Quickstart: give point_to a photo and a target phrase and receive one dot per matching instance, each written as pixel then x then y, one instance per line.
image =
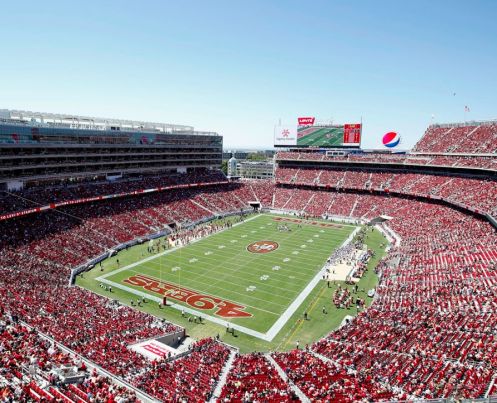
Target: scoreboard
pixel 352 134
pixel 308 133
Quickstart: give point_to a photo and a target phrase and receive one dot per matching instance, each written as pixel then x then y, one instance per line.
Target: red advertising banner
pixel 308 121
pixel 352 133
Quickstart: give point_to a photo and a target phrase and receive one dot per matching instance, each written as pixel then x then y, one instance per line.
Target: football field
pixel 253 275
pixel 325 137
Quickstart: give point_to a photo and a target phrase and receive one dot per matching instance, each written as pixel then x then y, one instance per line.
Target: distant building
pixel 248 154
pixel 239 155
pixel 255 169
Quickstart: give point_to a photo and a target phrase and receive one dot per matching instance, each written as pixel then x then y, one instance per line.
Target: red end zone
pixel 299 221
pixel 196 300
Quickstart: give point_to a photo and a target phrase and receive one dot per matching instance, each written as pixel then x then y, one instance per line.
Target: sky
pixel 238 67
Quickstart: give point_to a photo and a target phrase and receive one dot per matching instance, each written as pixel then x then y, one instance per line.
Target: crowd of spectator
pixel 477 193
pixel 469 139
pixel 37 253
pixel 430 332
pixel 43 195
pixel 187 379
pixel 326 381
pixel 31 368
pixel 252 378
pixel 370 159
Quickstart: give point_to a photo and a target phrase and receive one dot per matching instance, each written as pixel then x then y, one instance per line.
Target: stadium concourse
pixel 430 333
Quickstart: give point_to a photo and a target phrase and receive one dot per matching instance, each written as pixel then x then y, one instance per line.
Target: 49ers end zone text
pixel 196 300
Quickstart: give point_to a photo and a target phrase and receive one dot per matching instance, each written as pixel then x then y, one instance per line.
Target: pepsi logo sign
pixel 391 139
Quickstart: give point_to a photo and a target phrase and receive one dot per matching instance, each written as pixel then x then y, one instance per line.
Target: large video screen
pixel 329 136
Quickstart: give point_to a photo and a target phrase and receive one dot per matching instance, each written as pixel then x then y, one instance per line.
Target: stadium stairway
pixel 239 200
pixel 353 208
pixel 203 207
pixel 323 358
pixel 253 191
pixel 303 398
pixel 185 345
pixel 47 393
pixel 490 388
pixel 223 377
pixel 309 201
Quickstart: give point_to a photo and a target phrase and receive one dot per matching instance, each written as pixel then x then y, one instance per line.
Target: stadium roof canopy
pixel 87 122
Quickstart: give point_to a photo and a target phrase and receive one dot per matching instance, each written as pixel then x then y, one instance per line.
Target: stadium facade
pixel 49 147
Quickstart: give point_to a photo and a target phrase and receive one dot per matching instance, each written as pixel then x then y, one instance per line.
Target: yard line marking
pixel 237 277
pixel 231 291
pixel 304 259
pixel 252 266
pixel 158 255
pixel 251 259
pixel 277 325
pixel 255 270
pixel 198 291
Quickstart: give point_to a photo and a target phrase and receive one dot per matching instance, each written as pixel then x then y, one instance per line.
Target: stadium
pixel 248 202
pixel 132 268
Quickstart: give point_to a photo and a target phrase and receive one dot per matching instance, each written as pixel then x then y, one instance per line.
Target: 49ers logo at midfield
pixel 262 246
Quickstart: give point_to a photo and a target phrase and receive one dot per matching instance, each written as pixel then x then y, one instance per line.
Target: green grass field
pixel 219 273
pixel 325 137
